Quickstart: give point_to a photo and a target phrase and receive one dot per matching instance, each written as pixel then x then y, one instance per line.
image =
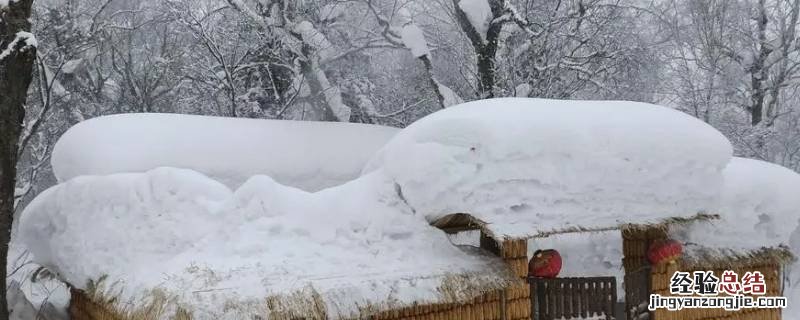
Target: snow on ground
pixel 179 231
pixel 531 166
pixel 307 155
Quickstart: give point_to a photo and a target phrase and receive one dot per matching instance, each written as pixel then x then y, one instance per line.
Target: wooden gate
pixel 637 294
pixel 565 298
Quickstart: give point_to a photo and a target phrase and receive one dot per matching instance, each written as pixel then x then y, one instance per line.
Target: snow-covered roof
pixel 303 154
pixel 759 208
pixel 523 167
pixel 532 167
pixel 208 247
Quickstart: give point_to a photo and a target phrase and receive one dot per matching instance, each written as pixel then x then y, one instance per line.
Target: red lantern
pixel 664 251
pixel 545 264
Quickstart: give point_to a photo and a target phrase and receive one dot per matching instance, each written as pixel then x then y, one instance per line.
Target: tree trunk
pixel 758 71
pixel 485 51
pixel 15 75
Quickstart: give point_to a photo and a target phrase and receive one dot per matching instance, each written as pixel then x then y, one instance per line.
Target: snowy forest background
pixel 732 63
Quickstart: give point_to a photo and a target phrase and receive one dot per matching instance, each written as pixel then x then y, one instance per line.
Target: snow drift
pixel 532 166
pixel 307 155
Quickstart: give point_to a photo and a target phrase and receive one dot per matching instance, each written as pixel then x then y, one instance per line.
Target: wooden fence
pixel 565 298
pixel 637 293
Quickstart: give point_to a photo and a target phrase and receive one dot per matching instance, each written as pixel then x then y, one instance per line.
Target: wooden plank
pixel 541 295
pixel 600 291
pixel 570 303
pixel 605 293
pixel 584 300
pixel 503 305
pixel 534 299
pixel 552 297
pixel 559 294
pixel 566 298
pixel 576 301
pixel 611 314
pixel 591 300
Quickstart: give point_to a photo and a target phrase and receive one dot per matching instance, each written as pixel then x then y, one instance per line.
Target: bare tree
pixel 481 21
pixel 17 55
pixel 412 37
pixel 283 21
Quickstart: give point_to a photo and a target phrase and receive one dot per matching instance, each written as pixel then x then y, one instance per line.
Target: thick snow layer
pixel 525 167
pixel 532 166
pixel 450 97
pixel 316 39
pixel 479 14
pixel 522 90
pixel 212 247
pixel 307 155
pixel 414 40
pixel 759 207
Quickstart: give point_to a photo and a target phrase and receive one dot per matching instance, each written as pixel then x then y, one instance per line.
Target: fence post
pixel 503 304
pixel 541 300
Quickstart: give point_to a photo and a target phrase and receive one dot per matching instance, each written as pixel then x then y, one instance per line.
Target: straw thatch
pixel 99 302
pixel 696 256
pixel 500 289
pixel 457 222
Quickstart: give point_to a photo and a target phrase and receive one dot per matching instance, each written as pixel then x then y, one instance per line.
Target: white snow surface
pixel 29 38
pixel 199 231
pixel 759 207
pixel 211 247
pixel 316 39
pixel 450 97
pixel 522 90
pixel 4 3
pixel 306 155
pixel 792 294
pixel 414 40
pixel 479 14
pixel 532 166
pixel 72 66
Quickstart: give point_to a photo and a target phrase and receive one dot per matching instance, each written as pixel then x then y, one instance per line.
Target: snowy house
pixel 759 211
pixel 207 241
